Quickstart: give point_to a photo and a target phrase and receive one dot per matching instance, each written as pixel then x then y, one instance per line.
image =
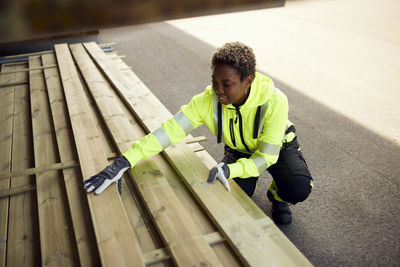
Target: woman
pixel 245 111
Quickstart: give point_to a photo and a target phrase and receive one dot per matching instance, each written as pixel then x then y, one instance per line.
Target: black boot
pixel 280 210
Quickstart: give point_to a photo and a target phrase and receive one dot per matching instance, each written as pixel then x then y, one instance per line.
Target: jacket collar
pixel 261 91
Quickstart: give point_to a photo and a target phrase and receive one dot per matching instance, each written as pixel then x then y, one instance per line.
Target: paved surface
pixel 339 64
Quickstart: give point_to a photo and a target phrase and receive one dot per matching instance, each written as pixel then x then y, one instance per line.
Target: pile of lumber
pixel 64 116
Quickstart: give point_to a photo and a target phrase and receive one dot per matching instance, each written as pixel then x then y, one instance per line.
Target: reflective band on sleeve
pixel 260 163
pixel 269 149
pixel 162 137
pixel 184 122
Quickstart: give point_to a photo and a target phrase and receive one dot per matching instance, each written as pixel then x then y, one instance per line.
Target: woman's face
pixel 228 87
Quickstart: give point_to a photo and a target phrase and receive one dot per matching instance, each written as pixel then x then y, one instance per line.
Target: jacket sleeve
pixel 269 141
pixel 170 132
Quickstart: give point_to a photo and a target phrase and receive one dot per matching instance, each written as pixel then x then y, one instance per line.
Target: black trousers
pixel 292 181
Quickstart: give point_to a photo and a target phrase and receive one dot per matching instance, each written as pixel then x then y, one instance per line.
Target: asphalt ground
pixel 339 64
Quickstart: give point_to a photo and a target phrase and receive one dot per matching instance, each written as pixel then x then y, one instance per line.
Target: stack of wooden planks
pixel 64 116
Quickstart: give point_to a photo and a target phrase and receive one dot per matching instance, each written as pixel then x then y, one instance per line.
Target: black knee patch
pixel 297 191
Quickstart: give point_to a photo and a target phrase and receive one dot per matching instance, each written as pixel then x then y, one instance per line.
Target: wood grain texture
pixel 178 230
pixel 23 236
pixel 6 122
pixel 145 234
pixel 57 248
pixel 115 239
pixel 17 190
pixel 83 230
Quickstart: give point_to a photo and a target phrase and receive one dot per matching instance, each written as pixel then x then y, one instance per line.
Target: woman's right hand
pixel 112 173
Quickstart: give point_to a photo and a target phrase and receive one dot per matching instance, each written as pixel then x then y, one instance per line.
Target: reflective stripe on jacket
pixel 257 127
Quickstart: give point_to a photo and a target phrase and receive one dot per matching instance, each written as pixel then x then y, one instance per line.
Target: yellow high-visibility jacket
pixel 257 127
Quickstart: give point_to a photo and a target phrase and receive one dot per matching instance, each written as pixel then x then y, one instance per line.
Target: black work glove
pixel 112 173
pixel 221 171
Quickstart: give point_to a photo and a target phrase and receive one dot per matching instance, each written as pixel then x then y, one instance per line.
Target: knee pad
pixel 298 191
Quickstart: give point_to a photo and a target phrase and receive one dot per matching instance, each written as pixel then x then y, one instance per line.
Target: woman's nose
pixel 219 89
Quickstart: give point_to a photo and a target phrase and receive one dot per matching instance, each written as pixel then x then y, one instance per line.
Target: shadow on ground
pixel 352 217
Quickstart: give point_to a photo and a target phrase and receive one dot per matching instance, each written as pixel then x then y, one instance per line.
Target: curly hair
pixel 237 55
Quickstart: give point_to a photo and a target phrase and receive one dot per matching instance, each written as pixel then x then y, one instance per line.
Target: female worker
pixel 245 111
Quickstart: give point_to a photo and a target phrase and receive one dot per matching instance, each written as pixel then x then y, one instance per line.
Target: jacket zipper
pixel 231 128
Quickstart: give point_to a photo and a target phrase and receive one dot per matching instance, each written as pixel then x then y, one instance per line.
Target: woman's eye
pixel 227 85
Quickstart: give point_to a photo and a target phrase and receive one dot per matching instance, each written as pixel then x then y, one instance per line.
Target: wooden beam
pixel 17 190
pixel 13 84
pixel 51 167
pixel 248 240
pixel 23 248
pixel 31 54
pixel 83 230
pixel 116 242
pixel 6 124
pixel 196 147
pixel 196 139
pixel 141 224
pixel 176 226
pixel 29 69
pixel 55 237
pixel 41 169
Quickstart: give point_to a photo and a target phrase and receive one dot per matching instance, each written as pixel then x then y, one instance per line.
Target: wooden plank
pixel 12 84
pixel 6 122
pixel 17 190
pixel 195 139
pixel 83 230
pixel 23 248
pixel 116 242
pixel 31 54
pixel 145 233
pixel 29 69
pixel 178 230
pixel 55 237
pixel 37 170
pixel 247 239
pixel 196 147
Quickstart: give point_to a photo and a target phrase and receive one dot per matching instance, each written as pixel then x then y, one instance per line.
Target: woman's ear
pixel 249 80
